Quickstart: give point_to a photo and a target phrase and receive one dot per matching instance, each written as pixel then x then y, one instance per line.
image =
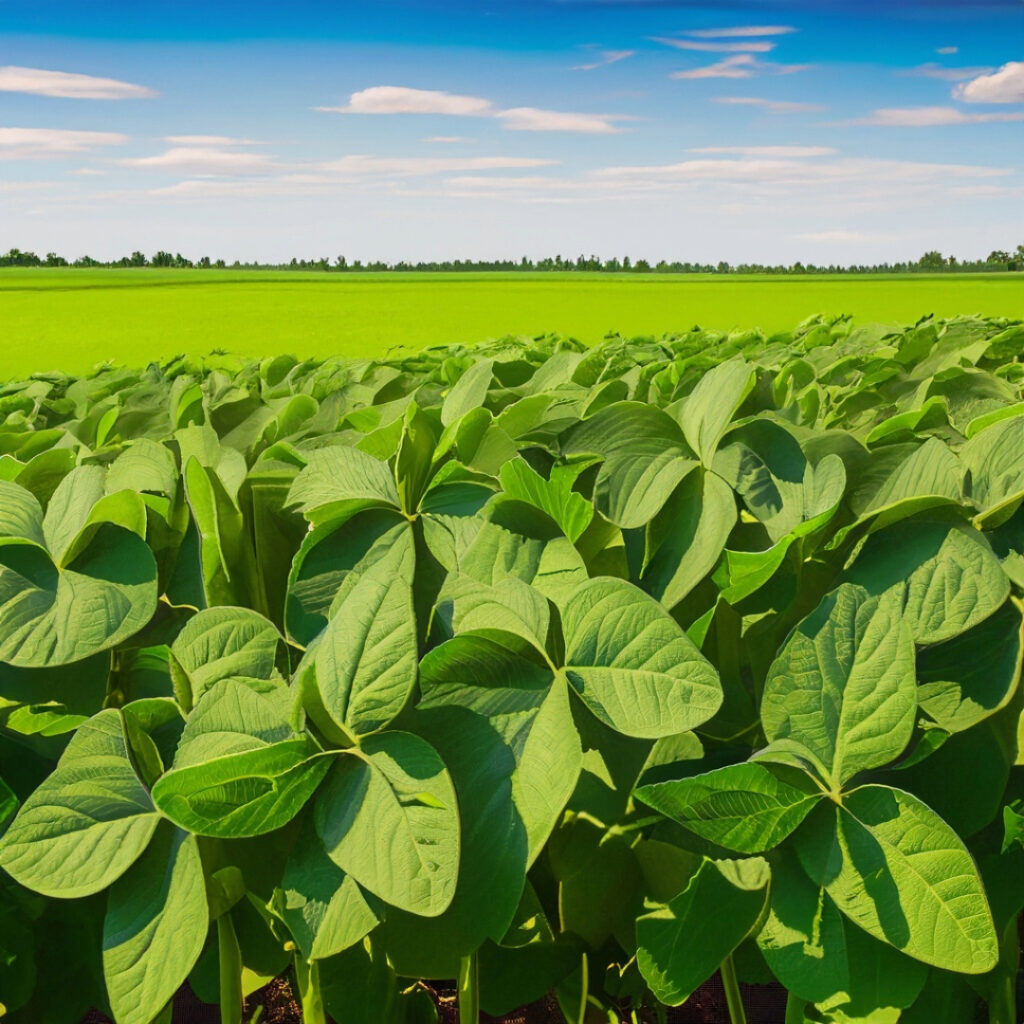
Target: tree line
pixel 930 262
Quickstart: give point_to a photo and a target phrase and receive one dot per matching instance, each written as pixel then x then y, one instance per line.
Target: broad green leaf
pixel 947 575
pixel 631 663
pixel 414 458
pixel 843 687
pixel 89 820
pixel 367 658
pixel 323 908
pixel 918 476
pixel 708 410
pixel 993 461
pixel 897 870
pixel 686 538
pixel 555 496
pixel 748 807
pixel 465 605
pixel 388 816
pixel 965 680
pixel 155 926
pixel 645 456
pixel 53 613
pixel 341 478
pixel 682 944
pixel 469 392
pixel 219 643
pixel 823 958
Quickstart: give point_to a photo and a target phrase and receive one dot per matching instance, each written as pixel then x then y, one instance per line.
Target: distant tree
pixel 723 267
pixel 53 260
pixel 204 262
pixel 626 263
pixel 642 267
pixel 932 260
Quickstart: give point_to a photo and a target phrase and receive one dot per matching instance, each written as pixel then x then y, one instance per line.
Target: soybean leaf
pixel 682 944
pixel 632 665
pixel 555 496
pixel 748 807
pixel 341 479
pixel 897 870
pixel 388 816
pixel 155 926
pixel 87 822
pixel 708 410
pixel 843 687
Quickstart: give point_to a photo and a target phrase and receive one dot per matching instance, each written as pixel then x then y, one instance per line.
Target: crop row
pixel 543 669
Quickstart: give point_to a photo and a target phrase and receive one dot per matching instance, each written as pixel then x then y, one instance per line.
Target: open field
pixel 72 319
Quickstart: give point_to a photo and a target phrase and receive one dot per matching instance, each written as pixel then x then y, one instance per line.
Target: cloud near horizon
pixel 50 143
pixel 930 117
pixel 770 106
pixel 65 85
pixel 743 65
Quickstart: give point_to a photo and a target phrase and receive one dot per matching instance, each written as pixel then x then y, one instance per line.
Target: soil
pixel 766 1004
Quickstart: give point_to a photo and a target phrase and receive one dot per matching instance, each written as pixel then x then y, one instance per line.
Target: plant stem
pixel 660 1014
pixel 307 974
pixel 795 1010
pixel 1002 1007
pixel 733 999
pixel 230 963
pixel 469 990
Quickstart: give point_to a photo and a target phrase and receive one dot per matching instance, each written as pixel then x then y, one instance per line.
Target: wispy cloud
pixel 48 143
pixel 395 99
pixel 390 99
pixel 444 139
pixel 838 235
pixel 1003 86
pixel 743 65
pixel 65 85
pixel 740 31
pixel 406 167
pixel 946 74
pixel 948 50
pixel 209 140
pixel 750 46
pixel 769 106
pixel 607 57
pixel 769 151
pixel 929 117
pixel 199 161
pixel 532 119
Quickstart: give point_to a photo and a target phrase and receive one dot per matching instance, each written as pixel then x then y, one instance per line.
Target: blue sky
pixel 740 130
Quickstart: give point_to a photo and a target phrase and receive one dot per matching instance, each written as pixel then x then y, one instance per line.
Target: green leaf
pixel 323 908
pixel 388 816
pixel 414 459
pixel 686 538
pixel 87 822
pixel 842 687
pixel 52 613
pixel 710 407
pixel 947 576
pixel 682 944
pixel 469 392
pixel 555 496
pixel 897 870
pixel 632 665
pixel 219 643
pixel 341 479
pixel 155 927
pixel 747 807
pixel 367 658
pixel 994 463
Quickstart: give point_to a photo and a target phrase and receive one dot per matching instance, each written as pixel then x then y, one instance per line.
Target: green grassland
pixel 73 318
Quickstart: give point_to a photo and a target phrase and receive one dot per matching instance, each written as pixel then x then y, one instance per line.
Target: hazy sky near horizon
pixel 744 130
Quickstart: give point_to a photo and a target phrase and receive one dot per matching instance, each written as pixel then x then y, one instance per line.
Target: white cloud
pixel 444 138
pixel 751 46
pixel 743 65
pixel 929 117
pixel 933 70
pixel 948 50
pixel 390 99
pixel 769 106
pixel 741 30
pixel 415 166
pixel 770 151
pixel 530 119
pixel 45 143
pixel 199 161
pixel 394 99
pixel 837 236
pixel 1003 86
pixel 208 140
pixel 87 172
pixel 607 57
pixel 68 86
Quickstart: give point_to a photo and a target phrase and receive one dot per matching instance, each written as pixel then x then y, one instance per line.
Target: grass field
pixel 72 319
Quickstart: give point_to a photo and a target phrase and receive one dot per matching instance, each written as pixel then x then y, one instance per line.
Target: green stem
pixel 733 999
pixel 230 962
pixel 661 1014
pixel 307 974
pixel 1002 1007
pixel 795 1010
pixel 469 990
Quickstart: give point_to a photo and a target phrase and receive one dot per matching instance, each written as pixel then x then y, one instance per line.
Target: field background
pixel 72 319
